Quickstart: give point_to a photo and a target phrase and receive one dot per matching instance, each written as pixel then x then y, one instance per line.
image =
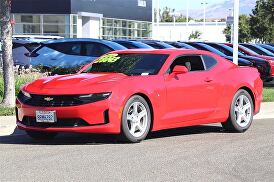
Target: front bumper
pixel 88 118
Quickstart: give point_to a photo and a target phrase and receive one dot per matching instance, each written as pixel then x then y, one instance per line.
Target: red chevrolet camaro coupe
pixel 134 92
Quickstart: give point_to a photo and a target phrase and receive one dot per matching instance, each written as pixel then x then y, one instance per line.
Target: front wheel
pixel 136 119
pixel 241 112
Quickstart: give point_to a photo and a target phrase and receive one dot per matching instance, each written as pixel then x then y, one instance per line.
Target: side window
pixel 223 50
pixel 155 46
pixel 192 63
pixel 71 48
pixel 255 49
pixel 95 49
pixel 128 45
pixel 209 61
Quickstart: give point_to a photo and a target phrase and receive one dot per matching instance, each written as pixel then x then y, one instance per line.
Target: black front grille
pixel 50 100
pixel 61 123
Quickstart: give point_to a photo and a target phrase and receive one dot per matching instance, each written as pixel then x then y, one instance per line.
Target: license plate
pixel 45 116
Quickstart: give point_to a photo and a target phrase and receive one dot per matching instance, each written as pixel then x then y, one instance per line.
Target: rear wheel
pixel 241 112
pixel 39 135
pixel 136 119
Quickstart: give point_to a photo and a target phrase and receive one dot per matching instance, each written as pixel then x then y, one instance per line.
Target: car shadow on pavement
pixel 20 137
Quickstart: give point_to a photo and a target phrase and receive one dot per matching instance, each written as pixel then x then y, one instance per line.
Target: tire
pixel 39 135
pixel 136 119
pixel 241 113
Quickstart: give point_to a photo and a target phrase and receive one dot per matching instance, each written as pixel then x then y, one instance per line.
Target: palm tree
pixel 6 37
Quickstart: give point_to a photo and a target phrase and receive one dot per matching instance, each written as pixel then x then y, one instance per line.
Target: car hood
pixel 74 84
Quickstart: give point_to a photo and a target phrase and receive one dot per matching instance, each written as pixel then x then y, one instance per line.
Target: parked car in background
pixel 258 49
pixel 21 49
pixel 267 47
pixel 178 88
pixel 156 44
pixel 71 53
pixel 130 44
pixel 202 46
pixel 263 66
pixel 249 52
pixel 180 45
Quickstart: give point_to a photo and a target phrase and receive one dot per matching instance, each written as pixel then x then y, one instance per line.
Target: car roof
pixel 136 43
pixel 113 45
pixel 161 51
pixel 75 40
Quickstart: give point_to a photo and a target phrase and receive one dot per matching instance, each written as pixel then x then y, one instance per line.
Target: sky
pixel 181 4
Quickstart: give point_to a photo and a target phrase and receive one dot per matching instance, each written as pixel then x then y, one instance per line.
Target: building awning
pixel 93 15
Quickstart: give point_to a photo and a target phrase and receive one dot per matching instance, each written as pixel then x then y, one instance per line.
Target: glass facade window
pixel 125 29
pixel 60 25
pixel 66 26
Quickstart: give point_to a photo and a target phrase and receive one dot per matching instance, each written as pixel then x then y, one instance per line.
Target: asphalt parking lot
pixel 201 153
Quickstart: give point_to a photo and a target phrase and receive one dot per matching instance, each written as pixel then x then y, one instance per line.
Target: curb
pixel 7 125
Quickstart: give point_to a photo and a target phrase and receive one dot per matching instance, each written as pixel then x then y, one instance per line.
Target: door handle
pixel 208 80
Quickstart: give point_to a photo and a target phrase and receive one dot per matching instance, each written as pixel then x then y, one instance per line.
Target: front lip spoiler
pixel 104 128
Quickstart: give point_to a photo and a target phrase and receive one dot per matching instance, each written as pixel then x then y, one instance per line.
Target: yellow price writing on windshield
pixel 109 58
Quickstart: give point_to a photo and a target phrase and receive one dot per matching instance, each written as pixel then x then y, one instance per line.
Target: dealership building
pixel 83 18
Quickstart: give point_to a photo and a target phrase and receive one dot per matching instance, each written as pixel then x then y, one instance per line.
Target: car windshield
pixel 129 64
pixel 248 50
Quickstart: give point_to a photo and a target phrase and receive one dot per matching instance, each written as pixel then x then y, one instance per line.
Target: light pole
pixel 236 31
pixel 158 16
pixel 173 14
pixel 204 4
pixel 231 29
pixel 187 14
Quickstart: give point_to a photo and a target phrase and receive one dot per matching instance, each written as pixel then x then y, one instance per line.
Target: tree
pixel 166 15
pixel 244 30
pixel 195 35
pixel 8 70
pixel 262 21
pixel 227 32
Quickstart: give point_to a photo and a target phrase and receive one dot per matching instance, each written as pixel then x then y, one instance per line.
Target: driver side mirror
pixel 179 70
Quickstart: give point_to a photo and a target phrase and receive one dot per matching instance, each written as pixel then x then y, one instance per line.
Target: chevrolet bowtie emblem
pixel 48 99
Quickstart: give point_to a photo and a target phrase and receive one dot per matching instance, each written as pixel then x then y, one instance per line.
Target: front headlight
pixel 26 94
pixel 94 97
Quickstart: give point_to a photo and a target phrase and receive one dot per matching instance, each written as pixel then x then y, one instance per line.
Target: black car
pixel 130 44
pixel 202 46
pixel 262 65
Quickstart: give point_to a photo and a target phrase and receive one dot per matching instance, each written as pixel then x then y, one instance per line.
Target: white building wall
pixel 95 28
pixel 180 31
pixel 79 27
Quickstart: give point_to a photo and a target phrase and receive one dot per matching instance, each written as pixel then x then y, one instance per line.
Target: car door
pixel 192 95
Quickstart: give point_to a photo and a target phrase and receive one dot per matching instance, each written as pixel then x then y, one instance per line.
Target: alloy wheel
pixel 243 111
pixel 137 119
